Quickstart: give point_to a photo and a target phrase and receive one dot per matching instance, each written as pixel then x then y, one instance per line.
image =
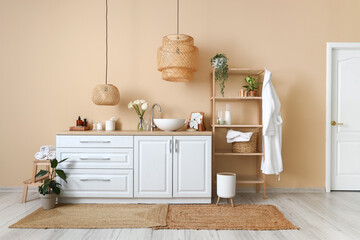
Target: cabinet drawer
pixel 100 183
pixel 95 158
pixel 94 141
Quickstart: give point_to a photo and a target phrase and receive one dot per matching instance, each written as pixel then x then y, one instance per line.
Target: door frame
pixel 330 47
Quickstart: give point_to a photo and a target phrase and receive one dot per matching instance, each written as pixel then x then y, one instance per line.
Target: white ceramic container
pixel 226 184
pixel 109 125
pixel 48 201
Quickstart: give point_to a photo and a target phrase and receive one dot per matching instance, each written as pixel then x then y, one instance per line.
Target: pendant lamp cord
pixel 177 24
pixel 106 43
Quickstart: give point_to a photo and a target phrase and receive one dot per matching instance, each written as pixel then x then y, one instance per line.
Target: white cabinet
pixel 153 167
pixel 98 167
pixel 135 169
pixel 192 166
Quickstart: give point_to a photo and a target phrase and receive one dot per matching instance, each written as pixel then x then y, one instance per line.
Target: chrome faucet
pixel 153 126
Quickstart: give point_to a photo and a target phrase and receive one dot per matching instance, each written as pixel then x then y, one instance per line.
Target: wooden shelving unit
pixel 235 98
pixel 237 154
pixel 237 126
pixel 259 179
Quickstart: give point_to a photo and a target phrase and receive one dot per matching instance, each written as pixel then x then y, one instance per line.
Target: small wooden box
pixel 79 128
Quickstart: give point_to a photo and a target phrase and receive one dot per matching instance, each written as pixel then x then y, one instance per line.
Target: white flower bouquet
pixel 140 107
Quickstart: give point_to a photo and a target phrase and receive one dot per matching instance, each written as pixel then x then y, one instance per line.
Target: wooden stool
pixel 227 200
pixel 36 181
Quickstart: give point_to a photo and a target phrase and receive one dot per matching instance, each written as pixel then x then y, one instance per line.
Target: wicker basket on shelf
pixel 246 147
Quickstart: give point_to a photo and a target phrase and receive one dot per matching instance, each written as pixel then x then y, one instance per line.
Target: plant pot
pixel 48 201
pixel 252 94
pixel 226 185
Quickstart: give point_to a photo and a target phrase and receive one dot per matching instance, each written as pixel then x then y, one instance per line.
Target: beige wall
pixel 52 55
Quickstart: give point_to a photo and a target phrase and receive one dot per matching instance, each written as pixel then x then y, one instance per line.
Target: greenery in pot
pixel 219 62
pixel 252 84
pixel 50 185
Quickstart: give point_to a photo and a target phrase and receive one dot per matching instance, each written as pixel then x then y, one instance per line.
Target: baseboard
pixel 17 189
pixel 239 190
pixel 283 190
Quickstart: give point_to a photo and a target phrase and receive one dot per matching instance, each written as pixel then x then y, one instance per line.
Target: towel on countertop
pixel 236 136
pixel 40 156
pixel 46 149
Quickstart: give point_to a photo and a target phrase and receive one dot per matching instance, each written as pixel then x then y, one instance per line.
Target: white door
pixel 153 167
pixel 192 166
pixel 345 119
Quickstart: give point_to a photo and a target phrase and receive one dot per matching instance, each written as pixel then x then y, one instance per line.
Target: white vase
pixel 226 185
pixel 48 201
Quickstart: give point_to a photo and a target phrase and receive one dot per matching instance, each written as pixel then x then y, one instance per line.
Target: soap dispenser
pixel 79 122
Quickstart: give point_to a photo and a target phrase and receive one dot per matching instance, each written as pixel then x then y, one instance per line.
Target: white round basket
pixel 226 184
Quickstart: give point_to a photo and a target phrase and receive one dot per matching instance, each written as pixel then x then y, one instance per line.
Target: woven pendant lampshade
pixel 178 58
pixel 106 94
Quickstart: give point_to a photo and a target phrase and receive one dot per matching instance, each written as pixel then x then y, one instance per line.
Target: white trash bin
pixel 226 186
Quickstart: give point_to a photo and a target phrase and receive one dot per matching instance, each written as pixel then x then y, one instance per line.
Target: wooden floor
pixel 333 215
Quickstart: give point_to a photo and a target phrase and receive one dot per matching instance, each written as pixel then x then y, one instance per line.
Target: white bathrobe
pixel 272 160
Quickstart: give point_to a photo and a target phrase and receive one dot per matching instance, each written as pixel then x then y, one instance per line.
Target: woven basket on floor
pixel 246 147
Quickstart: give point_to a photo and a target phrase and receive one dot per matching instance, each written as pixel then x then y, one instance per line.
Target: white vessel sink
pixel 169 124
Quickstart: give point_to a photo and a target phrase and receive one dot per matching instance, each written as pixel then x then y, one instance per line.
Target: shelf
pixel 245 71
pixel 238 126
pixel 235 98
pixel 237 154
pixel 250 180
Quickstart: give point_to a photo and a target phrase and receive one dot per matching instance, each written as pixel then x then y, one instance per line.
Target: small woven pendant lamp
pixel 106 94
pixel 177 58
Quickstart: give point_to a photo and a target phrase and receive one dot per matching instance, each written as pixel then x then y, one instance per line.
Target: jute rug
pixel 240 217
pixel 96 216
pixel 223 217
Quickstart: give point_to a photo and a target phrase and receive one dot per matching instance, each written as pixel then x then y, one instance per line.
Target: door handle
pixel 333 123
pixel 95 179
pixel 100 158
pixel 170 146
pixel 87 141
pixel 176 146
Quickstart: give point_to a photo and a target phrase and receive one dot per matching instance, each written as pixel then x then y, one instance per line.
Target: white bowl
pixel 169 124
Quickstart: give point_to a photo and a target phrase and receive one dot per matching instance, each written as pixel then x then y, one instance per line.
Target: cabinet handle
pixel 170 146
pixel 86 141
pixel 85 158
pixel 95 179
pixel 176 146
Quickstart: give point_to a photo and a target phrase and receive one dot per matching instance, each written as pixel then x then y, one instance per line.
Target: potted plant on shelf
pixel 50 188
pixel 252 86
pixel 219 62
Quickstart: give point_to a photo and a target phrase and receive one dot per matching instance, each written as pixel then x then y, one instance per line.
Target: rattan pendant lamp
pixel 106 94
pixel 177 58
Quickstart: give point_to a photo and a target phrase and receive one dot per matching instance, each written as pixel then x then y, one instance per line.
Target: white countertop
pixel 137 133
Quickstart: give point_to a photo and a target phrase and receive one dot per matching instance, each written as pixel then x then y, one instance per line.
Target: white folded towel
pixel 40 156
pixel 46 149
pixel 51 155
pixel 236 136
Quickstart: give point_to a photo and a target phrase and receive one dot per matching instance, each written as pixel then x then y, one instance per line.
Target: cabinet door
pixel 153 167
pixel 192 166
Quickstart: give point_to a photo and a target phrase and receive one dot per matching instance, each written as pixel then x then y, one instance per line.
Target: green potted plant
pixel 50 188
pixel 219 62
pixel 252 86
